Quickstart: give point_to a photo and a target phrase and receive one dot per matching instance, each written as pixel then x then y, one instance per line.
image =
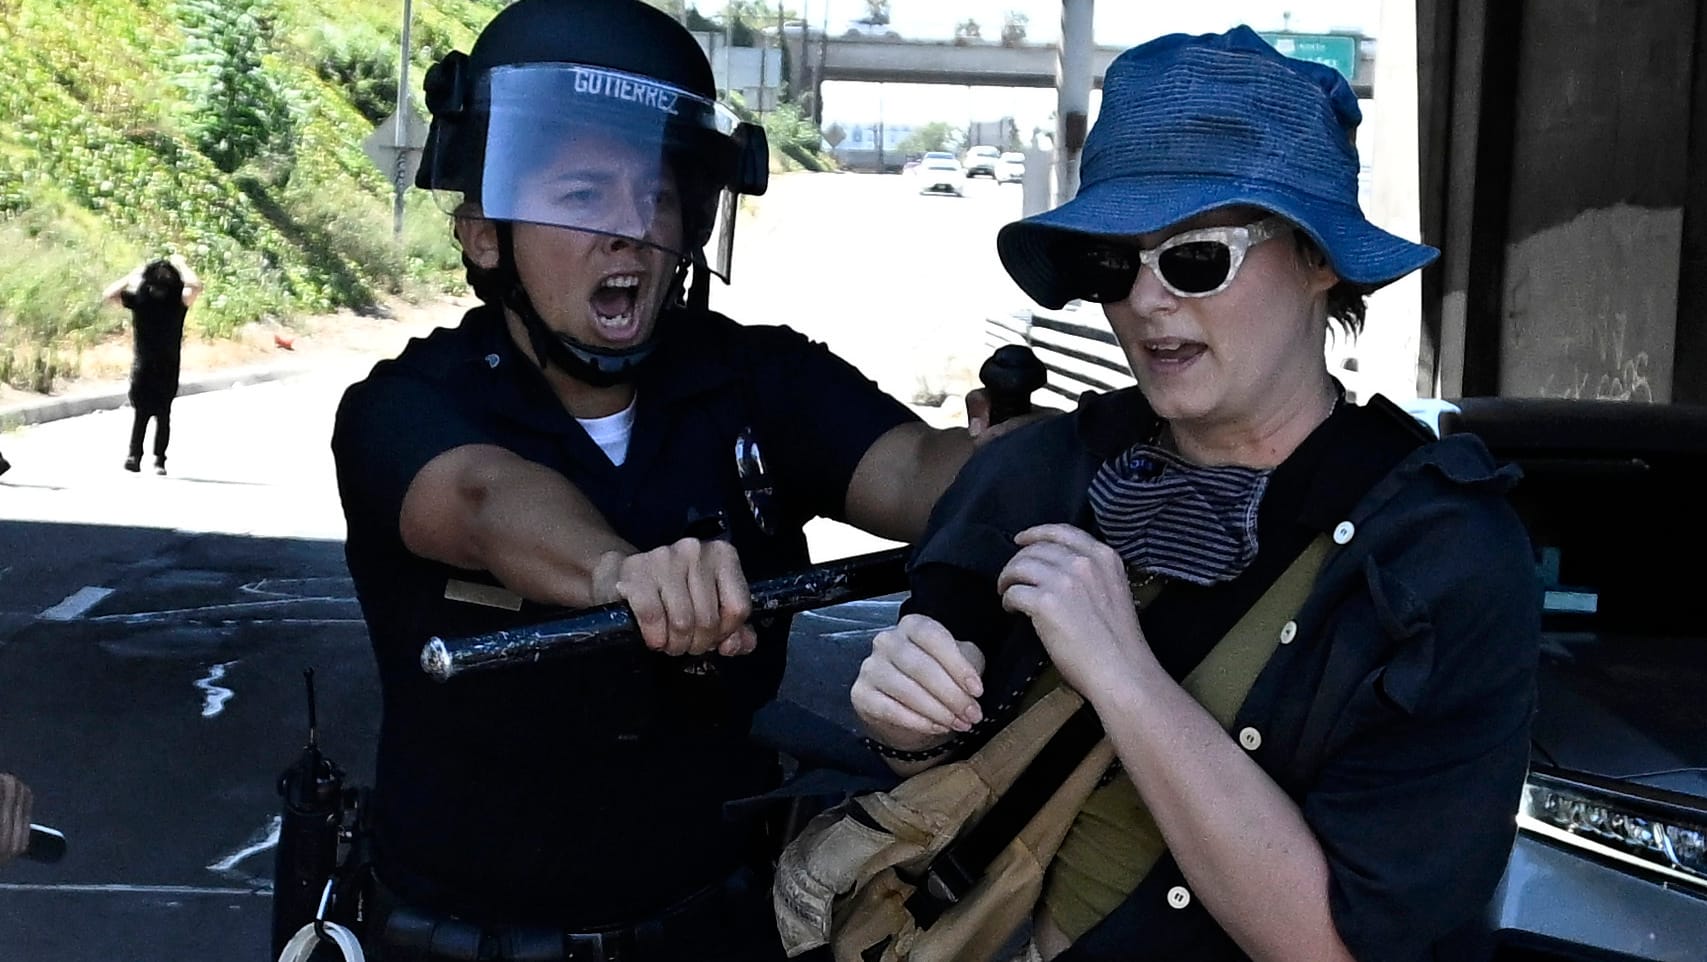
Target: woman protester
pixel 1354 797
pixel 158 295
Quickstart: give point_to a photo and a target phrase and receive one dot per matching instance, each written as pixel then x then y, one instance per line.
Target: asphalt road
pixel 153 630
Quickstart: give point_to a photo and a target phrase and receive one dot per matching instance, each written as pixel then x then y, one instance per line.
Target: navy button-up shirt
pixel 1397 713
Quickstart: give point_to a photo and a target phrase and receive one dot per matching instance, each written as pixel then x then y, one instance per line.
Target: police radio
pixel 318 814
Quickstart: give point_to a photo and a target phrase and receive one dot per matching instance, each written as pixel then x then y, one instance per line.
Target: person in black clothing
pixel 594 433
pixel 158 295
pixel 1338 782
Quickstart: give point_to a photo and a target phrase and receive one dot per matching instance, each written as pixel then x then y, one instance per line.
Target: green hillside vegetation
pixel 225 130
pixel 228 131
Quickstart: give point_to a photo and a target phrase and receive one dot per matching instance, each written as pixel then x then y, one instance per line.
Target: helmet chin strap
pixel 699 294
pixel 596 366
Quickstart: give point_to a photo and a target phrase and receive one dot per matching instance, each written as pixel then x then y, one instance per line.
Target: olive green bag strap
pixel 1224 677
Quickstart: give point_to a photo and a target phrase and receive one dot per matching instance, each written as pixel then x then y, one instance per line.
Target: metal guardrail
pixel 1079 355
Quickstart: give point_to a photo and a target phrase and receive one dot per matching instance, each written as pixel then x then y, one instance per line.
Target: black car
pixel 1611 855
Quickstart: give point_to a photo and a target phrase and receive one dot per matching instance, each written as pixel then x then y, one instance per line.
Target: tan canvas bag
pixel 845 880
pixel 871 845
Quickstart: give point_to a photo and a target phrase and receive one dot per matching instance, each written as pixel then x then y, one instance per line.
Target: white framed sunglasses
pixel 1193 263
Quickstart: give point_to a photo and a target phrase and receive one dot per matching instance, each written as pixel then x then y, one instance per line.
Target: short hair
pixel 1347 302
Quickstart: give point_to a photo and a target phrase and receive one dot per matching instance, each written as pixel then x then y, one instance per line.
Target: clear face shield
pixel 596 150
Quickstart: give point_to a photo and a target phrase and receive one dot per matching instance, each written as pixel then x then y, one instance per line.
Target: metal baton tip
pixel 436 660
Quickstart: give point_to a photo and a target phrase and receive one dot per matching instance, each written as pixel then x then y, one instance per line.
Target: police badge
pixel 755 481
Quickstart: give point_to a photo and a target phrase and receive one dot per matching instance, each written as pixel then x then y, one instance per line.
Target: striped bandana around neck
pixel 1167 516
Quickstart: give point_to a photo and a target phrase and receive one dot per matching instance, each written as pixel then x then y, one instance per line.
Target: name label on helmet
pixel 618 87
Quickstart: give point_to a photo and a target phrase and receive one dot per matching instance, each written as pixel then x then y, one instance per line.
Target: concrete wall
pixel 1563 153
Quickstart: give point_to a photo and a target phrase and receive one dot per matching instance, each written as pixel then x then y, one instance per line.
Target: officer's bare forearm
pixel 902 475
pixel 546 542
pixel 485 508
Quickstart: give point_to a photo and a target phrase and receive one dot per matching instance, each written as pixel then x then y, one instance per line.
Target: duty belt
pixel 409 933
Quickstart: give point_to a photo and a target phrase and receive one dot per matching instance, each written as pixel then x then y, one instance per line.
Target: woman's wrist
pixel 904 744
pixel 918 753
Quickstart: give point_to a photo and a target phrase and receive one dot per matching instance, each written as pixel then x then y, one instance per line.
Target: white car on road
pixel 1010 168
pixel 940 173
pixel 982 160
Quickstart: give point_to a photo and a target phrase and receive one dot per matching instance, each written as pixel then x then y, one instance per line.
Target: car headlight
pixel 1653 831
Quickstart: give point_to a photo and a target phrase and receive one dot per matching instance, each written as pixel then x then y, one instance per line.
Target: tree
pixel 238 112
pixel 361 61
pixel 743 20
pixel 935 135
pixel 877 12
pixel 699 22
pixel 966 30
pixel 1013 28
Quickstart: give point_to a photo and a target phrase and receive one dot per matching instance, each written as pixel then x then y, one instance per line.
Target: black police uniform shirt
pixel 587 790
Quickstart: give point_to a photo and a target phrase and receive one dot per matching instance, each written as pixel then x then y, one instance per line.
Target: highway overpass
pixel 817 58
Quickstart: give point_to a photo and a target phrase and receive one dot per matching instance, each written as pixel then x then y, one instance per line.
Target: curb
pixel 76 405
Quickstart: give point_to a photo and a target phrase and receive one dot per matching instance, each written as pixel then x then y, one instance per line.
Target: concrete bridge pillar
pixel 1073 92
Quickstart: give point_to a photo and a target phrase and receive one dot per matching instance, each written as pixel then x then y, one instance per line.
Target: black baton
pixel 1009 376
pixel 849 579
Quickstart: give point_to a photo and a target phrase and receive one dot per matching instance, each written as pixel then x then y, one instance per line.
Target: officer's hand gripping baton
pixel 1009 376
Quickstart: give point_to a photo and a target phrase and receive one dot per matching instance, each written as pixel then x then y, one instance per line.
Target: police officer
pixel 593 433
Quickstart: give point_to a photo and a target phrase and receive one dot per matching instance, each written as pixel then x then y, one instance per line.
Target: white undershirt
pixel 611 433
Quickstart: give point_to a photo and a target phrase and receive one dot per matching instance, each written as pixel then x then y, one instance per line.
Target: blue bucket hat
pixel 1190 124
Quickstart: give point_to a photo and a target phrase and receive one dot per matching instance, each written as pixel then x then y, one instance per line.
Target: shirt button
pixel 1288 632
pixel 1343 532
pixel 491 360
pixel 1178 897
pixel 1251 739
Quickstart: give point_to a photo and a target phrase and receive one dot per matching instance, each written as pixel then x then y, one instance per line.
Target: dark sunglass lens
pixel 1196 268
pixel 1106 274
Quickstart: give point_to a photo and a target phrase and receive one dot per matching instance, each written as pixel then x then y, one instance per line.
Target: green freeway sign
pixel 1338 51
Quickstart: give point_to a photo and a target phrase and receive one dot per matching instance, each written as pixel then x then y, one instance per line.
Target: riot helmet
pixel 599 116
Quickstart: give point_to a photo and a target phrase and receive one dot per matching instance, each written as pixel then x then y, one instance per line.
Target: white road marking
pixel 231 611
pixel 266 587
pixel 262 842
pixel 74 606
pixel 217 695
pixel 123 889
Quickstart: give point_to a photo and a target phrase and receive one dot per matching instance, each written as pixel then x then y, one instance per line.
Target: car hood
pixel 1624 706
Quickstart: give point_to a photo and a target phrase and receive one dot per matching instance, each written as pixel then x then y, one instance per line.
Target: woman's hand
pixel 918 684
pixel 1075 591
